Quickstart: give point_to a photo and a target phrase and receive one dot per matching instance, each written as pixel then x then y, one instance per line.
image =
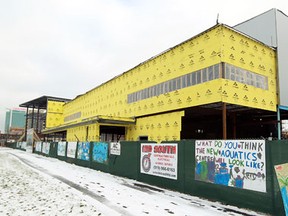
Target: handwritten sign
pixel 235 163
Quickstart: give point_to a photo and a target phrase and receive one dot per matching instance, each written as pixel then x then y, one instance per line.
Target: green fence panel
pixel 99 154
pixel 127 163
pixel 53 150
pixel 279 155
pixel 11 144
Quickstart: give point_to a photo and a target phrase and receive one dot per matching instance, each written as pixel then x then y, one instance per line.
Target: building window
pixel 246 77
pixel 193 78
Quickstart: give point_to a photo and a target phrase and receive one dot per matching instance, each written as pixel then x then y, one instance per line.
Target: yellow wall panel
pixel 75 133
pixel 248 54
pixel 157 127
pixel 249 96
pixel 54 115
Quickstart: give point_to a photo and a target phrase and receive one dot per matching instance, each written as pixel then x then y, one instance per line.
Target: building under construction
pixel 224 83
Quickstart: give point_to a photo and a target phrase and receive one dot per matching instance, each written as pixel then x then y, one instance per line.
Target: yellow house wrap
pixel 218 65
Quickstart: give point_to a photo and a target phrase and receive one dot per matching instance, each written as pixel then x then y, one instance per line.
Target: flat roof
pixel 41 102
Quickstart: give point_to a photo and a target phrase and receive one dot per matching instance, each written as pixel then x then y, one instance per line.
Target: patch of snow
pixel 36 185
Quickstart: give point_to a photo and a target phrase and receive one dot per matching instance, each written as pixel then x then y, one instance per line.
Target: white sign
pixel 38 146
pixel 61 149
pixel 234 163
pixel 45 148
pixel 159 159
pixel 115 148
pixel 71 149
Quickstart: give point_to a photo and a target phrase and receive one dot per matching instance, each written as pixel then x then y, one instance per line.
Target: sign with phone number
pixel 159 159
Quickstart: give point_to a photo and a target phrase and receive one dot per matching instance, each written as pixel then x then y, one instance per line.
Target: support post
pixel 37 121
pixel 32 120
pixel 26 123
pixel 224 120
pixel 279 123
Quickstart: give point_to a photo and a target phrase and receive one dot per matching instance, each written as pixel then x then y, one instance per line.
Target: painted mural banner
pixel 61 149
pixel 100 152
pixel 115 148
pixel 71 149
pixel 45 148
pixel 235 163
pixel 159 159
pixel 282 176
pixel 38 146
pixel 83 151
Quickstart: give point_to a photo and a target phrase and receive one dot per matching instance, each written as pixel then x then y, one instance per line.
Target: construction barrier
pixel 243 173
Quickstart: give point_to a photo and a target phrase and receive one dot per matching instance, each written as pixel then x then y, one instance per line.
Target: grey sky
pixel 63 48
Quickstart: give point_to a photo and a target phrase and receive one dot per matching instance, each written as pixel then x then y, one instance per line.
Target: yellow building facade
pixel 161 98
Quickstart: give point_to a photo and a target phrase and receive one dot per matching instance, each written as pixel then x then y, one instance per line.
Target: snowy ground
pixel 35 185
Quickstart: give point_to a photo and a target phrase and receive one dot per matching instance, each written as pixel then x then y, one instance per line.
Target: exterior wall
pixel 249 55
pixel 158 127
pixel 54 116
pixel 204 57
pixel 282 32
pixel 271 28
pixel 81 133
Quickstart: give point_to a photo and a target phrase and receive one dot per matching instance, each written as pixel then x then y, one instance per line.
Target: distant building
pixel 44 112
pixel 15 120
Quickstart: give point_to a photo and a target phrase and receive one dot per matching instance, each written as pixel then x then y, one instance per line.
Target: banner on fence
pixel 159 159
pixel 61 149
pixel 282 176
pixel 45 148
pixel 71 149
pixel 38 146
pixel 83 151
pixel 100 152
pixel 235 163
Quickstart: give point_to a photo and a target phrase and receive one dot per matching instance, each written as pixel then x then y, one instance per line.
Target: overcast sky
pixel 64 48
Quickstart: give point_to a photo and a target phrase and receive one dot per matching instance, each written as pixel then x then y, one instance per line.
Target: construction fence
pixel 249 174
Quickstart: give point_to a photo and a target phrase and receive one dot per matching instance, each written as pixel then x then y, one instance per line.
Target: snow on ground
pixel 31 184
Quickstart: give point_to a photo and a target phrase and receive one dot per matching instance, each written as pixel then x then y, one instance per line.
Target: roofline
pixel 100 119
pixel 31 102
pixel 254 17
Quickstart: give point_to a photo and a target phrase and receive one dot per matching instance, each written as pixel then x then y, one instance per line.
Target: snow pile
pixel 26 192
